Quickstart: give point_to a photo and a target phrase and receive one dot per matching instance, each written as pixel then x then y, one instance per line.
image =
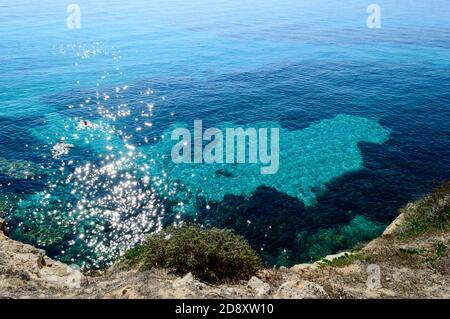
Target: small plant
pixel 440 249
pixel 412 251
pixel 214 255
pixel 431 213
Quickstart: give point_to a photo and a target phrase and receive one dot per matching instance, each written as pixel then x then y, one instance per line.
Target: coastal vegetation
pixel 432 213
pixel 213 255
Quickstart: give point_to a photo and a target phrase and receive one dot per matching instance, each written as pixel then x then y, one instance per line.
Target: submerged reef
pixel 309 158
pixel 19 169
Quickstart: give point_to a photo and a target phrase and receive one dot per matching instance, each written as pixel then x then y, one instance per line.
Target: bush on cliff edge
pixel 215 255
pixel 430 213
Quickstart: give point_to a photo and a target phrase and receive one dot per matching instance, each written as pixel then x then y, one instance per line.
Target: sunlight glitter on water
pixel 102 189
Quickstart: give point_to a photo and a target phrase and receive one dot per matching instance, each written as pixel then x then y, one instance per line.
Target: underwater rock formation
pixel 19 169
pixel 309 158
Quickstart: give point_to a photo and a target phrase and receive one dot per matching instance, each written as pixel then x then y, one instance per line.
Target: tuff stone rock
pixel 393 227
pixel 258 286
pixel 301 289
pixel 183 282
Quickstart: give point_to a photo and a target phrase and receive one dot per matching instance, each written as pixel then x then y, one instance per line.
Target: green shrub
pixel 430 213
pixel 412 251
pixel 214 255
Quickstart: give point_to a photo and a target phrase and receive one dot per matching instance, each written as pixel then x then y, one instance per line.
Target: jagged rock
pixel 24 275
pixel 393 227
pixel 258 286
pixel 31 265
pixel 230 291
pixel 127 293
pixel 301 289
pixel 3 229
pixel 300 268
pixel 183 282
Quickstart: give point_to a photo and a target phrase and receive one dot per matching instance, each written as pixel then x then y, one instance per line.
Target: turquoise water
pixel 309 157
pixel 363 118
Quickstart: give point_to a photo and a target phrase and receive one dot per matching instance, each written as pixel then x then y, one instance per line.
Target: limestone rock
pixel 300 268
pixel 183 282
pixel 393 227
pixel 258 286
pixel 301 289
pixel 30 264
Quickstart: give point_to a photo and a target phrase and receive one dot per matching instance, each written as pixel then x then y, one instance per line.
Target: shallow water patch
pixel 309 158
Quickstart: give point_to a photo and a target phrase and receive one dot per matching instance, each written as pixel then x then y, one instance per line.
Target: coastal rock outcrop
pixel 260 288
pixel 301 289
pixel 26 271
pixel 3 229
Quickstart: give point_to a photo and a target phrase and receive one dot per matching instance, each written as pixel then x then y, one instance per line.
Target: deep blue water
pixel 364 118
